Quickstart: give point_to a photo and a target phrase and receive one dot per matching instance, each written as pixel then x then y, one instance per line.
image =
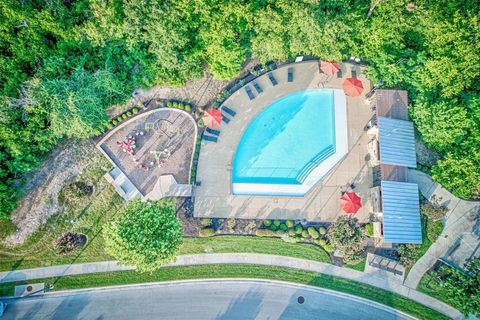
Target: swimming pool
pixel 287 142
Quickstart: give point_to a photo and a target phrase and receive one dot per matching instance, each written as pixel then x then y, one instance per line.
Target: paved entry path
pixel 461 218
pixel 245 258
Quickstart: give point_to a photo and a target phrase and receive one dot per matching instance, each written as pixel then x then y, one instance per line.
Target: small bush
pixel 313 233
pixel 188 108
pixel 267 223
pixel 288 238
pixel 283 227
pixel 279 233
pixel 322 230
pixel 369 230
pixel 175 104
pixel 119 119
pixel 277 223
pixel 180 106
pixel 114 122
pixel 207 232
pixel 110 125
pixel 322 242
pixel 328 247
pixel 200 123
pixel 135 110
pixel 299 239
pixel 316 241
pixel 408 254
pixel 298 229
pixel 124 116
pixel 273 227
pixel 291 232
pixel 264 233
pixel 129 114
pixel 305 233
pixel 206 222
pixel 68 241
pixel 169 104
pixel 434 229
pixel 290 223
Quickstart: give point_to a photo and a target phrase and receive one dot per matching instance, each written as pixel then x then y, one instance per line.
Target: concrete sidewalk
pixel 460 219
pixel 245 258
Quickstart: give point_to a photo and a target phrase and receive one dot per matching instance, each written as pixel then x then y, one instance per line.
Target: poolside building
pixel 395 201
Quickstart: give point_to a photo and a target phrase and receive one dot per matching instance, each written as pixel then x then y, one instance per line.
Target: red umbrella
pixel 329 68
pixel 212 117
pixel 352 87
pixel 350 202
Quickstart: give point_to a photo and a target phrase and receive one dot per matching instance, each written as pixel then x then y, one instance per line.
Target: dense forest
pixel 64 62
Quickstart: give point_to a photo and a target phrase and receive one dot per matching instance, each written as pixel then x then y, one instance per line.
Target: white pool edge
pixel 298 190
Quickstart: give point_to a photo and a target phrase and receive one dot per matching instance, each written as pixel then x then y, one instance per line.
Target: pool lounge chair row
pixel 259 89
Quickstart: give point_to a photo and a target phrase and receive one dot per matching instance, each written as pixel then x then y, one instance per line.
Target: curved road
pixel 201 299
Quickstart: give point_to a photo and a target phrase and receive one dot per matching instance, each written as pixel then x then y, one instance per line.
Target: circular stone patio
pixel 214 198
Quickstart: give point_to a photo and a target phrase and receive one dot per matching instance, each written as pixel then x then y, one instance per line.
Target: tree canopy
pixel 84 55
pixel 144 234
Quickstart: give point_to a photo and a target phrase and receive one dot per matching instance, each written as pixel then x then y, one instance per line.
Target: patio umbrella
pixel 212 117
pixel 350 202
pixel 329 68
pixel 352 87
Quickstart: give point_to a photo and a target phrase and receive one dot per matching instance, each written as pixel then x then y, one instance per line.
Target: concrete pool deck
pixel 214 198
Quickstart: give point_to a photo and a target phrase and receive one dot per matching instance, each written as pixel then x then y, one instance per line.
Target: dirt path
pixel 69 159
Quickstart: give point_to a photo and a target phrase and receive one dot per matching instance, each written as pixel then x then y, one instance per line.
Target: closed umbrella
pixel 212 117
pixel 350 202
pixel 329 68
pixel 352 87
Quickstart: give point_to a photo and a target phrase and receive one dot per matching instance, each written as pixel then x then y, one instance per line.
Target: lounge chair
pixel 225 119
pixel 249 93
pixel 272 79
pixel 257 87
pixel 210 138
pixel 229 111
pixel 213 131
pixel 290 74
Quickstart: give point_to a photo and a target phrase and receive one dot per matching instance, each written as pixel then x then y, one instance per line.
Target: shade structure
pixel 329 68
pixel 352 87
pixel 350 202
pixel 212 117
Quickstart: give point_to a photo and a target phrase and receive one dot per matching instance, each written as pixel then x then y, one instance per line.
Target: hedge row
pixel 179 105
pixel 122 117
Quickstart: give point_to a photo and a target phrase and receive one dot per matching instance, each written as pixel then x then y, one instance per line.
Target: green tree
pixel 144 234
pixel 346 237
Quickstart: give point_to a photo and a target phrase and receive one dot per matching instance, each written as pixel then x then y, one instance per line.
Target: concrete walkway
pixel 246 258
pixel 460 219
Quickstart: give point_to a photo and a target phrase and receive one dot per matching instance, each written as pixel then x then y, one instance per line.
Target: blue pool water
pixel 287 140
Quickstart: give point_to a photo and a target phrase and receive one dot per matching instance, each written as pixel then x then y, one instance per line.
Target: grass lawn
pixel 359 266
pixel 242 271
pixel 38 250
pixel 430 287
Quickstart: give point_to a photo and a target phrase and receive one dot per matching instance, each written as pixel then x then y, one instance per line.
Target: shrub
pixel 129 114
pixel 200 123
pixel 291 232
pixel 322 242
pixel 290 223
pixel 279 233
pixel 68 241
pixel 433 210
pixel 298 229
pixel 119 119
pixel 114 122
pixel 299 239
pixel 110 125
pixel 287 238
pixel 346 237
pixel 188 108
pixel 180 106
pixel 231 225
pixel 135 110
pixel 124 116
pixel 328 247
pixel 369 230
pixel 175 104
pixel 305 233
pixel 434 229
pixel 73 195
pixel 322 230
pixel 313 232
pixel 206 222
pixel 273 227
pixel 408 254
pixel 264 233
pixel 283 227
pixel 267 223
pixel 277 223
pixel 316 241
pixel 169 104
pixel 206 232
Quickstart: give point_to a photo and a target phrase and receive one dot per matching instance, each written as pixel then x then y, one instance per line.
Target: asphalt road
pixel 208 299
